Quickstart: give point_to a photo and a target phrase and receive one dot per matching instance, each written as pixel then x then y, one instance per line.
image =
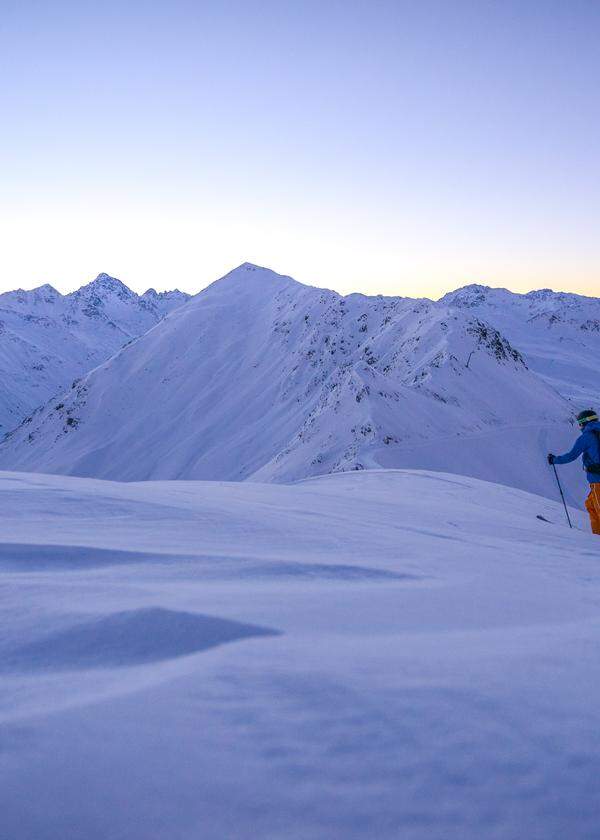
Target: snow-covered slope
pixel 261 377
pixel 558 334
pixel 371 655
pixel 47 339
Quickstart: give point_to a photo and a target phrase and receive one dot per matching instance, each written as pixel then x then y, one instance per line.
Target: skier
pixel 588 446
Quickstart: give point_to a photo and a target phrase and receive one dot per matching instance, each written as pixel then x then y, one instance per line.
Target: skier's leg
pixel 592 504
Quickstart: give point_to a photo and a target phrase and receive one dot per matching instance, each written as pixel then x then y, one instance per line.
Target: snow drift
pixel 375 654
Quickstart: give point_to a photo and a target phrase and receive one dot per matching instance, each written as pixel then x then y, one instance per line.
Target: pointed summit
pixel 105 285
pixel 106 281
pixel 46 287
pixel 253 279
pixel 46 291
pixel 248 268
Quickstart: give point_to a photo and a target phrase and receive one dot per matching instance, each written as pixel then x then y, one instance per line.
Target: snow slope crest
pixel 390 654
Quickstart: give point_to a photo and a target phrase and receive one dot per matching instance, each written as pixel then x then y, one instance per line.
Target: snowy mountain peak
pixel 46 290
pixel 250 280
pixel 163 302
pixel 541 294
pixel 550 298
pixel 467 296
pixel 103 277
pixel 248 266
pixel 104 283
pixel 49 339
pixel 152 294
pixel 558 333
pixel 475 288
pixel 250 273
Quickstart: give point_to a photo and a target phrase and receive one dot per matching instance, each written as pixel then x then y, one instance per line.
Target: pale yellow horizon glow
pixel 165 249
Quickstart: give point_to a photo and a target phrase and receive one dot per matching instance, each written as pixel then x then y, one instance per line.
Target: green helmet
pixel 586 416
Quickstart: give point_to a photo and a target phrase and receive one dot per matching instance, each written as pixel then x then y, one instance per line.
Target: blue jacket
pixel 588 446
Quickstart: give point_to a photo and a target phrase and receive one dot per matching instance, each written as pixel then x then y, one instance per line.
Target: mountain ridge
pixel 542 293
pixel 261 377
pixel 557 332
pixel 101 278
pixel 49 339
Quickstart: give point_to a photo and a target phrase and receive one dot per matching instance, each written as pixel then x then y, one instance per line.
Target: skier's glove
pixel 551 458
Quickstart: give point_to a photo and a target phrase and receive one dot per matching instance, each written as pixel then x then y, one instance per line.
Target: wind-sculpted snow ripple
pixel 24 557
pixel 228 568
pixel 123 639
pixel 311 571
pixel 30 557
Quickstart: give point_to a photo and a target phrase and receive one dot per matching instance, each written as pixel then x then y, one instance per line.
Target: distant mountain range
pixel 47 339
pixel 260 377
pixel 557 333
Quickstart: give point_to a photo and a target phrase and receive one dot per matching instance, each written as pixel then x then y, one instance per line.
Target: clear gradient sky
pixel 377 146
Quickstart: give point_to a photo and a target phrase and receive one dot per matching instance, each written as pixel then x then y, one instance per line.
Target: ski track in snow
pixel 381 654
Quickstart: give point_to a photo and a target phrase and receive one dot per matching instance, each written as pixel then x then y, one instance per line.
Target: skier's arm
pixel 573 454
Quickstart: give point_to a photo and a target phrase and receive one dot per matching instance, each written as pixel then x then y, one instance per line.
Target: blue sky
pixel 393 147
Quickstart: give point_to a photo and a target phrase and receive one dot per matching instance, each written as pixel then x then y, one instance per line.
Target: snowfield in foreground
pixel 386 654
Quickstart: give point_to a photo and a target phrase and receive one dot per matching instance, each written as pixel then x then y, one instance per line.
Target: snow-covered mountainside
pixel 47 339
pixel 557 333
pixel 262 377
pixel 370 656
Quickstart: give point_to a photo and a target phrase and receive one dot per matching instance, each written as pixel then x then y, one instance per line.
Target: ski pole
pixel 562 495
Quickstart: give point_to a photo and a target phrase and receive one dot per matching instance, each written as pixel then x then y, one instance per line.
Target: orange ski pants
pixel 592 504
